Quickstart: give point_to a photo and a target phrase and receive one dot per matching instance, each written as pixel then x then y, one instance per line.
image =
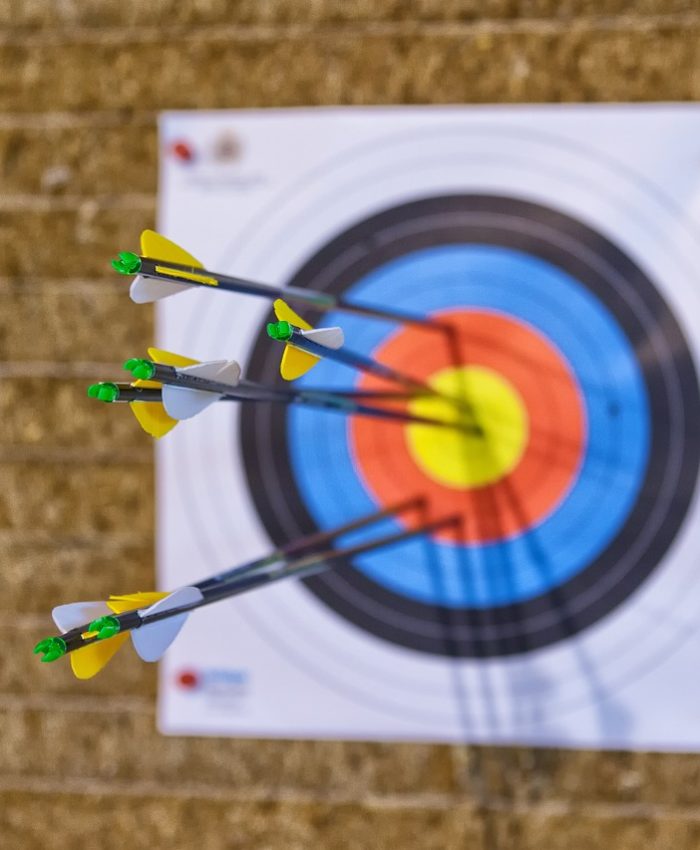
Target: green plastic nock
pixel 53 648
pixel 106 627
pixel 280 330
pixel 140 368
pixel 105 391
pixel 127 263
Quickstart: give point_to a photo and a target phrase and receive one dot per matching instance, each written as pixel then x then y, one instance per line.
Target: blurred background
pixel 80 88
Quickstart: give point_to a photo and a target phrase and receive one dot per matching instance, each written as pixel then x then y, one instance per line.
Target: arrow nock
pixel 279 330
pixel 140 368
pixel 104 391
pixel 127 263
pixel 52 647
pixel 104 627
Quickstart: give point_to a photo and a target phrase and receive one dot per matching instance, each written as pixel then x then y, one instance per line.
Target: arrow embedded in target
pixel 170 388
pixel 93 632
pixel 163 269
pixel 305 346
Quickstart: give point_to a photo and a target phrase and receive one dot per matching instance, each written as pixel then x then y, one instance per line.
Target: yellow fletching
pixel 129 601
pixel 285 313
pixel 157 247
pixel 152 417
pixel 296 363
pixel 169 358
pixel 89 660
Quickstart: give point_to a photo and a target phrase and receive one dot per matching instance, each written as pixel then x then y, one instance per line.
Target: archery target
pixel 565 281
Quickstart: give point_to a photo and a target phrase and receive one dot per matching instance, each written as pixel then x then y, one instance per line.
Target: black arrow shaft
pixel 239 584
pixel 251 391
pixel 324 301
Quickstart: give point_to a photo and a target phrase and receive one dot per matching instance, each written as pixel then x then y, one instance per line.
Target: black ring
pixel 671 384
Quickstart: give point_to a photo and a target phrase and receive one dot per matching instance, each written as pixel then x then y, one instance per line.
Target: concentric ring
pixel 552 398
pixel 666 483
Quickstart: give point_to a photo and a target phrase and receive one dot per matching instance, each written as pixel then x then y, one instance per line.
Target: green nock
pixel 53 648
pixel 105 391
pixel 280 330
pixel 127 263
pixel 140 368
pixel 106 627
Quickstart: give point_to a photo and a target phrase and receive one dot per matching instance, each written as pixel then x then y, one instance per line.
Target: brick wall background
pixel 80 85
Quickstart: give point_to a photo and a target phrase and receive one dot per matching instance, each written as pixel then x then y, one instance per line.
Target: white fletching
pixel 144 290
pixel 230 374
pixel 74 614
pixel 184 403
pixel 225 371
pixel 327 337
pixel 181 403
pixel 150 642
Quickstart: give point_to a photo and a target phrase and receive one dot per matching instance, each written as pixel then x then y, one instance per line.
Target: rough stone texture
pixel 50 322
pixel 149 821
pixel 64 242
pixel 59 415
pixel 79 89
pixel 583 831
pixel 327 68
pixel 108 735
pixel 50 13
pixel 624 778
pixel 75 498
pixel 37 576
pixel 79 160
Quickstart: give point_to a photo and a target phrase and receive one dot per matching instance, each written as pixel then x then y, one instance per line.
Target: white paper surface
pixel 265 191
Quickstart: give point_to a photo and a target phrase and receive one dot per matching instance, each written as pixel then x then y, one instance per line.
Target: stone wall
pixel 80 85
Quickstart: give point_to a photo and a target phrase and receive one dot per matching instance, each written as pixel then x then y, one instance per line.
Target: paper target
pixel 565 278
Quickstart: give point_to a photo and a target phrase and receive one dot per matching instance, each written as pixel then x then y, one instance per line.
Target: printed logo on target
pixel 215 681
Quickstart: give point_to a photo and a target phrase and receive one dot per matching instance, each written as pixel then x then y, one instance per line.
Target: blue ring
pixel 578 325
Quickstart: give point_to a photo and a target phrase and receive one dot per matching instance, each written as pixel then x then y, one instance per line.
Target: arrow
pixel 116 392
pixel 164 268
pixel 95 654
pixel 92 643
pixel 188 387
pixel 306 346
pixel 158 409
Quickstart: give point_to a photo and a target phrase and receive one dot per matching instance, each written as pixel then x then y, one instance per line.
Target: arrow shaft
pixel 302 546
pixel 299 566
pixel 308 543
pixel 251 391
pixel 380 370
pixel 324 301
pixel 129 393
pixel 239 584
pixel 359 362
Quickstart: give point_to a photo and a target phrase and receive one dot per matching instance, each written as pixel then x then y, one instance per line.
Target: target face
pixel 560 605
pixel 597 475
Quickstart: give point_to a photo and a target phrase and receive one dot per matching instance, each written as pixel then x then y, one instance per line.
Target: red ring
pixel 557 426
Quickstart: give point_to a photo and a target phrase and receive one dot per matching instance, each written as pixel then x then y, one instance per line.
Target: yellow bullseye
pixel 462 459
